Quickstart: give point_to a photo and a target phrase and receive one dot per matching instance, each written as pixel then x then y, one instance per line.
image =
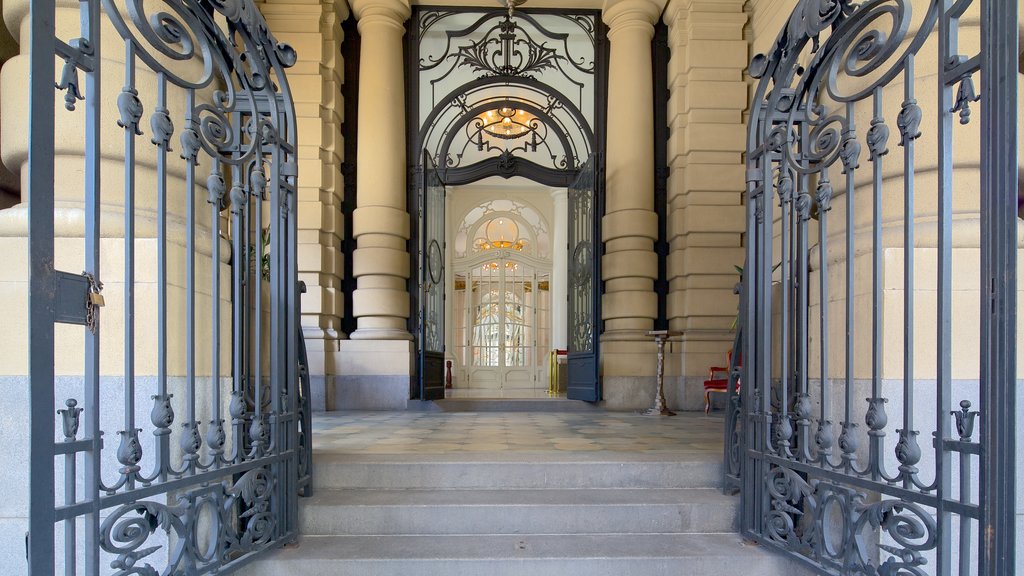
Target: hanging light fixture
pixel 507 123
pixel 511 5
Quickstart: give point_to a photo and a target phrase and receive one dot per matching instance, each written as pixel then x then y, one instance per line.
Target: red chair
pixel 713 384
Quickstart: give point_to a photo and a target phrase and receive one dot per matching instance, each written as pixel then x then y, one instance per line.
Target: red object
pixel 713 384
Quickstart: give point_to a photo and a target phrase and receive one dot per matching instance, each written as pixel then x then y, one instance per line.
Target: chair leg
pixel 707 401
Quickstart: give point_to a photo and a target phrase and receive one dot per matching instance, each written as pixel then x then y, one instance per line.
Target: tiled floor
pixel 482 432
pixel 499 393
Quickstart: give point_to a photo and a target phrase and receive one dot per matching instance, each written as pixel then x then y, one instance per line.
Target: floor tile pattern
pixel 483 432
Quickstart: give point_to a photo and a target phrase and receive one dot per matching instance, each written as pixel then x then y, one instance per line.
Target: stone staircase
pixel 505 514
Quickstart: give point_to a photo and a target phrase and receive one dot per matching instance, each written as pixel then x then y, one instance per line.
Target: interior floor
pixel 500 393
pixel 369 433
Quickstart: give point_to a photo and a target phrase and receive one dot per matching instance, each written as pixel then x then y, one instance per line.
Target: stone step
pixel 516 471
pixel 512 555
pixel 411 512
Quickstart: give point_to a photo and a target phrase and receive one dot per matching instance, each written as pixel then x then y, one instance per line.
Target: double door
pixel 506 311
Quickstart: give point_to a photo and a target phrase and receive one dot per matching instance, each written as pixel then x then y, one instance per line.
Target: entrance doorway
pixel 501 295
pixel 512 118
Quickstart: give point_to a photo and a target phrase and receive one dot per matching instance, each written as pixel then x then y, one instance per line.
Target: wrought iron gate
pixel 894 230
pixel 431 281
pixel 178 447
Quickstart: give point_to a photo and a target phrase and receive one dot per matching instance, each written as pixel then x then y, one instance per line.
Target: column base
pixel 636 335
pixel 380 334
pixel 373 375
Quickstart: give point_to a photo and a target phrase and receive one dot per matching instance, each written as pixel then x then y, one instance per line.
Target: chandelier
pixel 507 123
pixel 501 233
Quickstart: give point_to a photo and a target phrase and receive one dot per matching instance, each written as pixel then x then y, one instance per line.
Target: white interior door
pixel 507 308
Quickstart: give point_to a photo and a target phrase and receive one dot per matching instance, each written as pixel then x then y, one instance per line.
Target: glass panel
pixel 581 258
pixel 434 264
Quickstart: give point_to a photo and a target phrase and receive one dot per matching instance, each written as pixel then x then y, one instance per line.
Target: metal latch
pixel 78 300
pixel 93 303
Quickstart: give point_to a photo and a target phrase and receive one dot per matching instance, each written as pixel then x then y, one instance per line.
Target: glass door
pixel 584 285
pixel 431 276
pixel 507 312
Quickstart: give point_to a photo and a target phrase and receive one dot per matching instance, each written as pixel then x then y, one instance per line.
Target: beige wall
pixel 706 218
pixel 313 28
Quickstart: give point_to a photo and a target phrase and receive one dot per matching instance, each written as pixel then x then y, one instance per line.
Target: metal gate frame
pixel 230 494
pixel 805 492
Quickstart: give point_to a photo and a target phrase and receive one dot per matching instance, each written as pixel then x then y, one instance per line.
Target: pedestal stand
pixel 660 407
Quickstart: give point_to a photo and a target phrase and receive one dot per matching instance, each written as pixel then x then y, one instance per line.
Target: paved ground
pixel 370 433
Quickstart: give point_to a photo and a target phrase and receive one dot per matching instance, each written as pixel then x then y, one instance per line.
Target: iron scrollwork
pixel 128 529
pixel 842 484
pixel 833 524
pixel 511 89
pixel 217 97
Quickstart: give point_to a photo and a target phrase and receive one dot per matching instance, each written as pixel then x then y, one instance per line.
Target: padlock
pixel 96 299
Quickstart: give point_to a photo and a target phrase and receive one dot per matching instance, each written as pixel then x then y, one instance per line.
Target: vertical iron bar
pixel 93 194
pixel 163 441
pixel 824 385
pixel 999 110
pixel 70 538
pixel 763 279
pixel 249 314
pixel 851 254
pixel 802 340
pixel 215 309
pixel 943 326
pixel 748 437
pixel 190 282
pixel 42 285
pixel 277 384
pixel 791 379
pixel 875 454
pixel 786 288
pixel 966 537
pixel 908 266
pixel 276 300
pixel 257 315
pixel 238 308
pixel 129 254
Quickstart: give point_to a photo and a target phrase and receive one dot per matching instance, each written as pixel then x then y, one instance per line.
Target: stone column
pixel 381 220
pixel 559 269
pixel 378 357
pixel 313 28
pixel 630 224
pixel 10 188
pixel 705 188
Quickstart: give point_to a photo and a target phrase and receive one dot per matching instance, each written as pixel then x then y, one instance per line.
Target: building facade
pixel 660 98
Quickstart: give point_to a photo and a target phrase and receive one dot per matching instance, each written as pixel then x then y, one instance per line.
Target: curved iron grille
pixel 200 465
pixel 471 64
pixel 857 449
